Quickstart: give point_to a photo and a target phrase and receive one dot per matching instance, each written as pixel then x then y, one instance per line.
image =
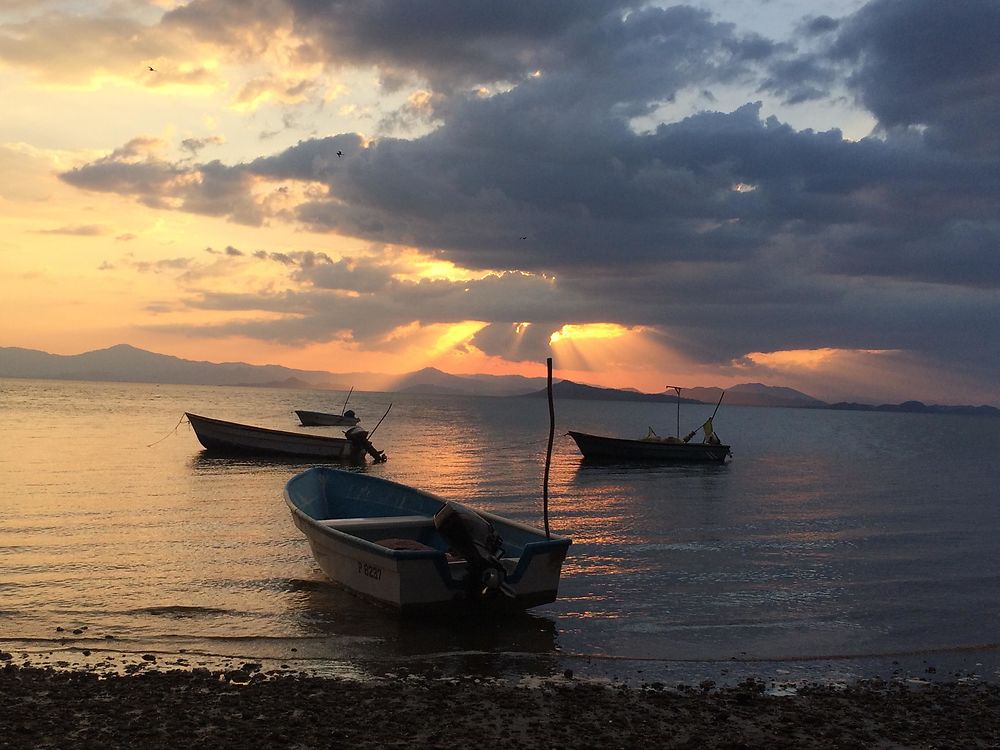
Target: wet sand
pixel 249 708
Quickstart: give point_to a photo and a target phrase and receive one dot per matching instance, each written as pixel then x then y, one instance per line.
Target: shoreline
pixel 116 656
pixel 250 707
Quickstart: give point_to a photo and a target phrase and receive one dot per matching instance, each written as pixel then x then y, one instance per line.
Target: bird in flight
pixel 339 154
pixel 151 68
pixel 524 238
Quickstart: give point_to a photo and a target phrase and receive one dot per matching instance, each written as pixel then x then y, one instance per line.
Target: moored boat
pixel 414 551
pixel 654 448
pixel 324 419
pixel 233 438
pixel 602 448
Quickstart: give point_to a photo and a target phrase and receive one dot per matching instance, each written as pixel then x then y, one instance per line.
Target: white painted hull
pixel 347 551
pixel 219 436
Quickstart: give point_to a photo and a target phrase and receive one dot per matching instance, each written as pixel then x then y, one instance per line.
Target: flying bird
pixel 339 154
pixel 524 238
pixel 151 68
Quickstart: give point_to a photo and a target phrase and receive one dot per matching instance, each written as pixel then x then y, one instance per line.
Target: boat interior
pixel 403 533
pixel 393 532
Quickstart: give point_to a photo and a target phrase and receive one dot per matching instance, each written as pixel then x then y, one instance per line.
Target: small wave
pixel 179 611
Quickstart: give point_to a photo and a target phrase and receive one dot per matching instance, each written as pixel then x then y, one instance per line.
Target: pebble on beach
pixel 42 708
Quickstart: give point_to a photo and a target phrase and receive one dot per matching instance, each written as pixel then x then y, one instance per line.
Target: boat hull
pixel 232 438
pixel 600 448
pixel 363 511
pixel 322 419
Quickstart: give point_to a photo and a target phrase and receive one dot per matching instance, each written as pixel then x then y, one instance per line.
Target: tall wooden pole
pixel 548 452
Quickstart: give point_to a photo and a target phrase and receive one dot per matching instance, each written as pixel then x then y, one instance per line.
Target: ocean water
pixel 832 544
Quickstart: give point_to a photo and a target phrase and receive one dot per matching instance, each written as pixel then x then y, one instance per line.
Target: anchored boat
pixel 323 419
pixel 233 438
pixel 654 448
pixel 414 551
pixel 598 447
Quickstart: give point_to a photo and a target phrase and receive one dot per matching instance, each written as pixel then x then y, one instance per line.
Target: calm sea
pixel 833 543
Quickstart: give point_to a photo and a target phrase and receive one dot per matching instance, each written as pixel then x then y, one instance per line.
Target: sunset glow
pixel 810 359
pixel 303 185
pixel 585 331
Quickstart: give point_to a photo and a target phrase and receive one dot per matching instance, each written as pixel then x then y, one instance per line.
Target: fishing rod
pixel 718 405
pixel 380 421
pixel 346 400
pixel 692 433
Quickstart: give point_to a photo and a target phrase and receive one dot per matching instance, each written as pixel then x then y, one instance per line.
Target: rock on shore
pixel 42 708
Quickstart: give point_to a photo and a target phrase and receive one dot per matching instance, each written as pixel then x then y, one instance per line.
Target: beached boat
pixel 414 551
pixel 219 436
pixel 601 448
pixel 323 419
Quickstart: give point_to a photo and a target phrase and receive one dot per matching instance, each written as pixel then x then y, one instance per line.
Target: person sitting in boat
pixel 710 437
pixel 349 413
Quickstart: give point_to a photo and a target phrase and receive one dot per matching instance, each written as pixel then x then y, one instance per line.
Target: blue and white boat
pixel 414 551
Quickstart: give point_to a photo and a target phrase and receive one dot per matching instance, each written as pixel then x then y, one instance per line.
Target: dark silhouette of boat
pixel 668 450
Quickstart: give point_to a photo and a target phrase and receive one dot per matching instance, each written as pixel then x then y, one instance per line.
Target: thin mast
pixel 678 389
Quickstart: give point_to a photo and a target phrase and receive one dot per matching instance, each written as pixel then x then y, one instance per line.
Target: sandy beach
pixel 250 708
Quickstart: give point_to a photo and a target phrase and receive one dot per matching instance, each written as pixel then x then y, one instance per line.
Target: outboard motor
pixel 473 538
pixel 360 445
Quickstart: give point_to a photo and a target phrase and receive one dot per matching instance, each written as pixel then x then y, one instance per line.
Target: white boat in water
pixel 233 438
pixel 414 551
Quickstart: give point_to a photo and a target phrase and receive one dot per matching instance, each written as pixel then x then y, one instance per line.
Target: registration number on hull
pixel 372 571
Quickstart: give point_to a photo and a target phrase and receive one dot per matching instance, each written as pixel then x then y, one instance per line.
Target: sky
pixel 793 192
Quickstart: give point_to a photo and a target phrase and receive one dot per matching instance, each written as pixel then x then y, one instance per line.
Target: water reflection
pixel 597 467
pixel 460 642
pixel 830 532
pixel 213 463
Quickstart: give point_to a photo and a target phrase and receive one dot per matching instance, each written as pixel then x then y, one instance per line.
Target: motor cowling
pixel 360 444
pixel 473 538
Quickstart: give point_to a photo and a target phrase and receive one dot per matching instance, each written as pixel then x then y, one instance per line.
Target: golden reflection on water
pixel 113 518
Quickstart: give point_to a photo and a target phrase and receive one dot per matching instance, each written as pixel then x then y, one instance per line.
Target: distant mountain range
pixel 124 363
pixel 753 394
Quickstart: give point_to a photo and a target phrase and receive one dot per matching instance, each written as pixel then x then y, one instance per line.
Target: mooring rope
pixel 169 433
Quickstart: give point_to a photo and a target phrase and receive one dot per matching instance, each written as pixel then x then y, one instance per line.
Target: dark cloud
pixel 361 302
pixel 820 25
pixel 515 341
pixel 919 64
pixel 724 233
pixel 195 145
pixel 160 266
pixel 347 274
pixel 447 42
pixel 78 230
